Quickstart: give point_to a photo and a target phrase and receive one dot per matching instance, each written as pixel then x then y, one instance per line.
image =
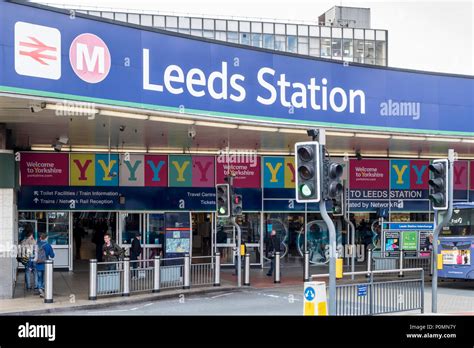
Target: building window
pixel 314 48
pixel 303 30
pixel 146 20
pixel 208 24
pixel 245 38
pixel 171 22
pixel 196 23
pixel 269 41
pixel 268 28
pixel 280 43
pixel 359 51
pixel 244 26
pixel 209 34
pixel 256 40
pixel 302 45
pixel 292 44
pixel 325 47
pixel 221 25
pixel 196 32
pixel 109 15
pixel 158 21
pixel 336 48
pixel 256 27
pixel 380 52
pixel 184 22
pixel 232 26
pixel 280 29
pixel 221 35
pixel 369 52
pixel 122 17
pixel 233 37
pixel 290 29
pixel 184 31
pixel 133 18
pixel 347 48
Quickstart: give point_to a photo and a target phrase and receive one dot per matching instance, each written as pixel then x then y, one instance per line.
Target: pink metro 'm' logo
pixel 90 58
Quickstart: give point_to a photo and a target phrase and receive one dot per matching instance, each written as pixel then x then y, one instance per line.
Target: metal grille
pixel 172 276
pixel 380 297
pixel 141 276
pixel 110 278
pixel 202 274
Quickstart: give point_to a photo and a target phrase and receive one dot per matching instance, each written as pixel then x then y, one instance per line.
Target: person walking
pixel 28 246
pixel 44 252
pixel 79 233
pixel 273 246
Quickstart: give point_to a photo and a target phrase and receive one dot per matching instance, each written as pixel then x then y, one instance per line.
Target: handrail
pixel 369 272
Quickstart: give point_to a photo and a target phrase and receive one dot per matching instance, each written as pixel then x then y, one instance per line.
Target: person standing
pixel 79 233
pixel 28 246
pixel 44 252
pixel 273 246
pixel 111 252
pixel 135 252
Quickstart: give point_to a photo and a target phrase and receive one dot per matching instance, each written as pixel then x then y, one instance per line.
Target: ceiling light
pixel 71 108
pixel 292 131
pixel 123 114
pixel 171 120
pixel 216 124
pixel 372 135
pixel 446 140
pixel 340 134
pixel 407 137
pixel 261 129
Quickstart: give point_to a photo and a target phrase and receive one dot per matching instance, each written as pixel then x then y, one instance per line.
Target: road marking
pixel 148 304
pixel 111 311
pixel 226 294
pixel 134 309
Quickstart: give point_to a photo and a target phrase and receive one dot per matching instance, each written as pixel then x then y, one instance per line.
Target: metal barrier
pixel 48 281
pixel 247 270
pixel 389 260
pixel 125 277
pixel 276 259
pixel 380 296
pixel 202 273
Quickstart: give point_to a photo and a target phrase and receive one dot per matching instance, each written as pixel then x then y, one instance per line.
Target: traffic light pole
pixel 332 257
pixel 440 220
pixel 239 259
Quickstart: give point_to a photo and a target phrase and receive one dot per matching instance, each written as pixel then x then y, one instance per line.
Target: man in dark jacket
pixel 273 246
pixel 111 251
pixel 135 252
pixel 44 252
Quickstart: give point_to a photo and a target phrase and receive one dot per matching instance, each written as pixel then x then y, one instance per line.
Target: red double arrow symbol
pixel 37 54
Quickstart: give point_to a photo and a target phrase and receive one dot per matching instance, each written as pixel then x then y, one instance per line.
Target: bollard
pixel 401 264
pixel 48 281
pixel 306 266
pixel 217 270
pixel 126 277
pixel 156 274
pixel 187 271
pixel 369 262
pixel 277 268
pixel 247 270
pixel 93 279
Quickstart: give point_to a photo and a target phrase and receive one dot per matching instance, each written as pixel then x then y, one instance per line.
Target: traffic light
pixel 223 200
pixel 332 186
pixel 439 184
pixel 236 205
pixel 307 160
pixel 338 205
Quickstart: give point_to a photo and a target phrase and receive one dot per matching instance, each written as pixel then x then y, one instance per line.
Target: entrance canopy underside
pixel 35 125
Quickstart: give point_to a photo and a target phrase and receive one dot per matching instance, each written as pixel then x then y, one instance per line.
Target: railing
pixel 202 272
pixel 125 277
pixel 382 296
pixel 386 260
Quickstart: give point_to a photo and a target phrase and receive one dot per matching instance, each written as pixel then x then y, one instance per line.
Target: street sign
pixel 315 302
pixel 362 290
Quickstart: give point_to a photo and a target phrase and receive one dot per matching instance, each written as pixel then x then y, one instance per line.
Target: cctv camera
pixel 37 107
pixel 191 133
pixel 122 128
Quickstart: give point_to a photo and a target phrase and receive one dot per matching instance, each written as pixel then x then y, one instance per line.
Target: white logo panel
pixel 37 51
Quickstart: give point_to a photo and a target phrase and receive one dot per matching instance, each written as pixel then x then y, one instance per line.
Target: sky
pixel 423 35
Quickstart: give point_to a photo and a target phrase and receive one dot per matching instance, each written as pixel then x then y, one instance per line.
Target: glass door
pixel 130 225
pixel 154 235
pixel 225 240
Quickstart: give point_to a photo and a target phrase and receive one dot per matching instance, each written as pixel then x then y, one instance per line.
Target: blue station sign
pixel 57 54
